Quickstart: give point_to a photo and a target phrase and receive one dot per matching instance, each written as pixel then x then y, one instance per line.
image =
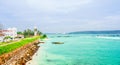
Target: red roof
pixel 6 31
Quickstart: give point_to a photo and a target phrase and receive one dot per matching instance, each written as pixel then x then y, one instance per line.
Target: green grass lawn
pixel 2 43
pixel 15 45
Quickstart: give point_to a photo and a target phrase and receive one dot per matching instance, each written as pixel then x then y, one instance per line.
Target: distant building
pixel 20 36
pixel 12 32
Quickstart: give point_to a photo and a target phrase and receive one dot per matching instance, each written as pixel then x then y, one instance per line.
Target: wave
pixel 105 37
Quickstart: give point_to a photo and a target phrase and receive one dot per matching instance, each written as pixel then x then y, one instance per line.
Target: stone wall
pixel 21 55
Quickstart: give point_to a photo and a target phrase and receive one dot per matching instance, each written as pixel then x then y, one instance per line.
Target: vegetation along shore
pixel 20 51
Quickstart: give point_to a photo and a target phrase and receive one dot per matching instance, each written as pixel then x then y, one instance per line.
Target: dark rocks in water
pixel 48 60
pixel 57 42
pixel 63 36
pixel 41 42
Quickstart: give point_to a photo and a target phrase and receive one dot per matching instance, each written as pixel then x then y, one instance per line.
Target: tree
pixel 7 38
pixel 40 33
pixel 20 32
pixel 44 36
pixel 28 33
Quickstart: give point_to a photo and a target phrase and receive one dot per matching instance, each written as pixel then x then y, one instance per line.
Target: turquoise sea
pixel 78 49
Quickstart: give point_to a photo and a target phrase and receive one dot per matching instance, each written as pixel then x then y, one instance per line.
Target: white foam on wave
pixel 105 37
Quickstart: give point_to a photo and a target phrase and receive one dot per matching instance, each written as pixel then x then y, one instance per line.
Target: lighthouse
pixel 35 31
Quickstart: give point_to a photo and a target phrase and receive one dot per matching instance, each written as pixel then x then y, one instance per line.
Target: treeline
pixel 96 32
pixel 30 33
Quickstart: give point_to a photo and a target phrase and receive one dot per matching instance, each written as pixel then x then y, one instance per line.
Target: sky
pixel 60 15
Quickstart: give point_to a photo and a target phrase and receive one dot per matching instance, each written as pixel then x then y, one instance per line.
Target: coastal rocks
pixel 57 42
pixel 21 55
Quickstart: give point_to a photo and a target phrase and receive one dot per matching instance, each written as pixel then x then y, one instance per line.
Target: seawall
pixel 21 55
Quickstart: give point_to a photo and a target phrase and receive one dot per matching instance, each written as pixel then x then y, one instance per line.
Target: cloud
pixel 60 15
pixel 57 5
pixel 113 17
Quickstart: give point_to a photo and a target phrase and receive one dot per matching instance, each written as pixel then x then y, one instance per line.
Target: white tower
pixel 35 31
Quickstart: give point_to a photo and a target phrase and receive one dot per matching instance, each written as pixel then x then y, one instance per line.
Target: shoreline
pixel 21 55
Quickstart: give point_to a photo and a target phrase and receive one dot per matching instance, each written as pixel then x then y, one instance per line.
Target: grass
pixel 15 45
pixel 2 43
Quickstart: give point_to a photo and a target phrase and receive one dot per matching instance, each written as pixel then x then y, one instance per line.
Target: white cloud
pixel 113 17
pixel 57 5
pixel 60 15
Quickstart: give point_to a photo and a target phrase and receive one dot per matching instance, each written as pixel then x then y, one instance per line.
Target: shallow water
pixel 78 50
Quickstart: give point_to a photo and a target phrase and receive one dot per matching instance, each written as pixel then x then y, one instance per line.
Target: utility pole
pixel 1 27
pixel 1 33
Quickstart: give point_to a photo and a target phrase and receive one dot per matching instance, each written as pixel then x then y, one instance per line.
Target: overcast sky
pixel 61 15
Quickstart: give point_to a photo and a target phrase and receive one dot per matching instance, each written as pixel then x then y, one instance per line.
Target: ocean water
pixel 78 50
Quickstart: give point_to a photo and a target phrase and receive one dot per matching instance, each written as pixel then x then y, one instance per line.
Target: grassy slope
pixel 15 45
pixel 2 43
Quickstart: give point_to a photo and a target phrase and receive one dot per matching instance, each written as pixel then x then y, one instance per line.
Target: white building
pixel 12 32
